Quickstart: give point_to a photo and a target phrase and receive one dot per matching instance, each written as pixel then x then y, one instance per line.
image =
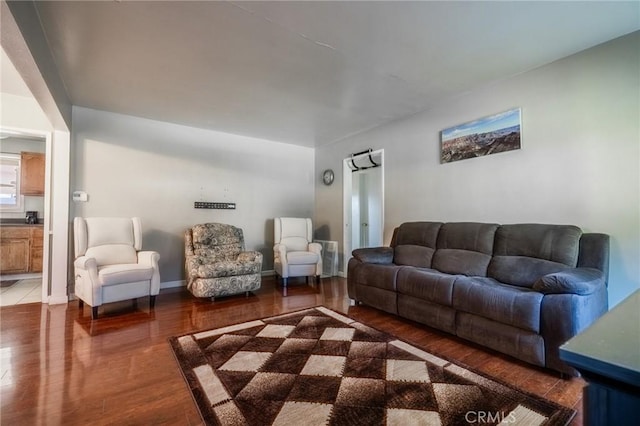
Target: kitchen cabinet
pixel 32 173
pixel 21 248
pixel 35 252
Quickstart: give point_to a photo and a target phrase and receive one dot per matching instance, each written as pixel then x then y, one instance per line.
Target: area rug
pixel 319 367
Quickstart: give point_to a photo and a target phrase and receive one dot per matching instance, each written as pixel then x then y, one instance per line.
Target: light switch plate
pixel 80 196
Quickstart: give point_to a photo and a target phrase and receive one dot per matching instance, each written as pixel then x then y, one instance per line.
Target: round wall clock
pixel 327 177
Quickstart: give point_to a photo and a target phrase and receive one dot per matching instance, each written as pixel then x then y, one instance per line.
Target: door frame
pixel 347 186
pixel 56 213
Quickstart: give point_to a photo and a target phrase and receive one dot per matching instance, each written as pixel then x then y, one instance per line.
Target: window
pixel 10 198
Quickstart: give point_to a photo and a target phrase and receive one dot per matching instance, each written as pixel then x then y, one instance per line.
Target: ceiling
pixel 307 73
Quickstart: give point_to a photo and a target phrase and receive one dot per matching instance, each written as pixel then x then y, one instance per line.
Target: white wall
pixel 579 163
pixel 131 166
pixel 22 112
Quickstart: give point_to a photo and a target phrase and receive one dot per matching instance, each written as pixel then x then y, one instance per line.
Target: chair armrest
pixel 581 281
pixel 374 255
pixel 85 263
pixel 280 252
pixel 315 248
pixel 150 258
pixel 86 281
pixel 250 256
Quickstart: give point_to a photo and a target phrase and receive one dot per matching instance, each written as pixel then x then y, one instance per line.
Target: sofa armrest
pixel 380 255
pixel 581 281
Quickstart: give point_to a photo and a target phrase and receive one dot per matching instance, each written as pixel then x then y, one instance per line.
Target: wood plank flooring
pixel 60 368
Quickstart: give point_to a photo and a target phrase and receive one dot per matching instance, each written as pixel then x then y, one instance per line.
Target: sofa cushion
pixel 416 233
pixel 127 273
pixel 429 313
pixel 217 240
pixel 426 284
pixel 491 299
pixel 413 255
pixel 473 236
pixel 227 268
pixel 113 254
pixel 464 248
pixel 526 252
pixel 302 258
pixel 463 262
pixel 526 345
pixel 375 275
pixel 556 243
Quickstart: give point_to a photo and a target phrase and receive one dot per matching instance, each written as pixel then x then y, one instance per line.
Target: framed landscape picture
pixel 488 135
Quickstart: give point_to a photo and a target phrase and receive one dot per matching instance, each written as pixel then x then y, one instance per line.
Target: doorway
pixel 23 213
pixel 363 201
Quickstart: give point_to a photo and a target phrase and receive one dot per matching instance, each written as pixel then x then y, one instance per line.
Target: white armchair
pixel 109 264
pixel 295 255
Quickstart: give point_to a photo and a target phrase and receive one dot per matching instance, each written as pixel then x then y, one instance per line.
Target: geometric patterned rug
pixel 319 367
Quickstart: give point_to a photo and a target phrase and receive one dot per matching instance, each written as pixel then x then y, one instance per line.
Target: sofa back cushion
pixel 464 248
pixel 523 253
pixel 413 255
pixel 414 243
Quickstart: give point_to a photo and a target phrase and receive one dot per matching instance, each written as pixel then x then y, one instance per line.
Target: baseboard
pixel 172 284
pixel 57 300
pixel 21 276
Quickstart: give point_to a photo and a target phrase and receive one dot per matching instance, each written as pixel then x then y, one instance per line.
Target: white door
pixel 363 202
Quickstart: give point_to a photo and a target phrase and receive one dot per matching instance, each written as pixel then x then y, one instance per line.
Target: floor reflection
pixel 60 367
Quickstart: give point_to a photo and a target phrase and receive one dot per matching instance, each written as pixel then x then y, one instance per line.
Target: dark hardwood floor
pixel 60 368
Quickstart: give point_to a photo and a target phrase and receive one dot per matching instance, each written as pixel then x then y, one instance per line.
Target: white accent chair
pixel 109 264
pixel 295 255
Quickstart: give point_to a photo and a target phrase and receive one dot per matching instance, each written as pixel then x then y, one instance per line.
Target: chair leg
pixel 318 279
pixel 80 304
pixel 152 302
pixel 284 281
pixel 94 312
pixel 213 298
pixel 246 294
pixel 307 279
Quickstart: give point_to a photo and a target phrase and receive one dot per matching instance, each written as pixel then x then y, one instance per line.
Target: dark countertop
pixel 18 222
pixel 610 347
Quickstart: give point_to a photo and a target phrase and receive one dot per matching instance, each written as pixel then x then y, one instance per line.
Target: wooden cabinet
pixel 14 244
pixel 35 254
pixel 21 248
pixel 32 173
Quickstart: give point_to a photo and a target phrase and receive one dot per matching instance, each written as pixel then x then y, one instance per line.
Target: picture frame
pixel 488 135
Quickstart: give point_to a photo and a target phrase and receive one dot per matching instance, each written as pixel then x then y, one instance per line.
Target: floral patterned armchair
pixel 216 263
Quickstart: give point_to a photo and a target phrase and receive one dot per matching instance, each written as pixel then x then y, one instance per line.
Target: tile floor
pixel 24 291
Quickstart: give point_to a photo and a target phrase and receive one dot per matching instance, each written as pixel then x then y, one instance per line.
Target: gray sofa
pixel 519 289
